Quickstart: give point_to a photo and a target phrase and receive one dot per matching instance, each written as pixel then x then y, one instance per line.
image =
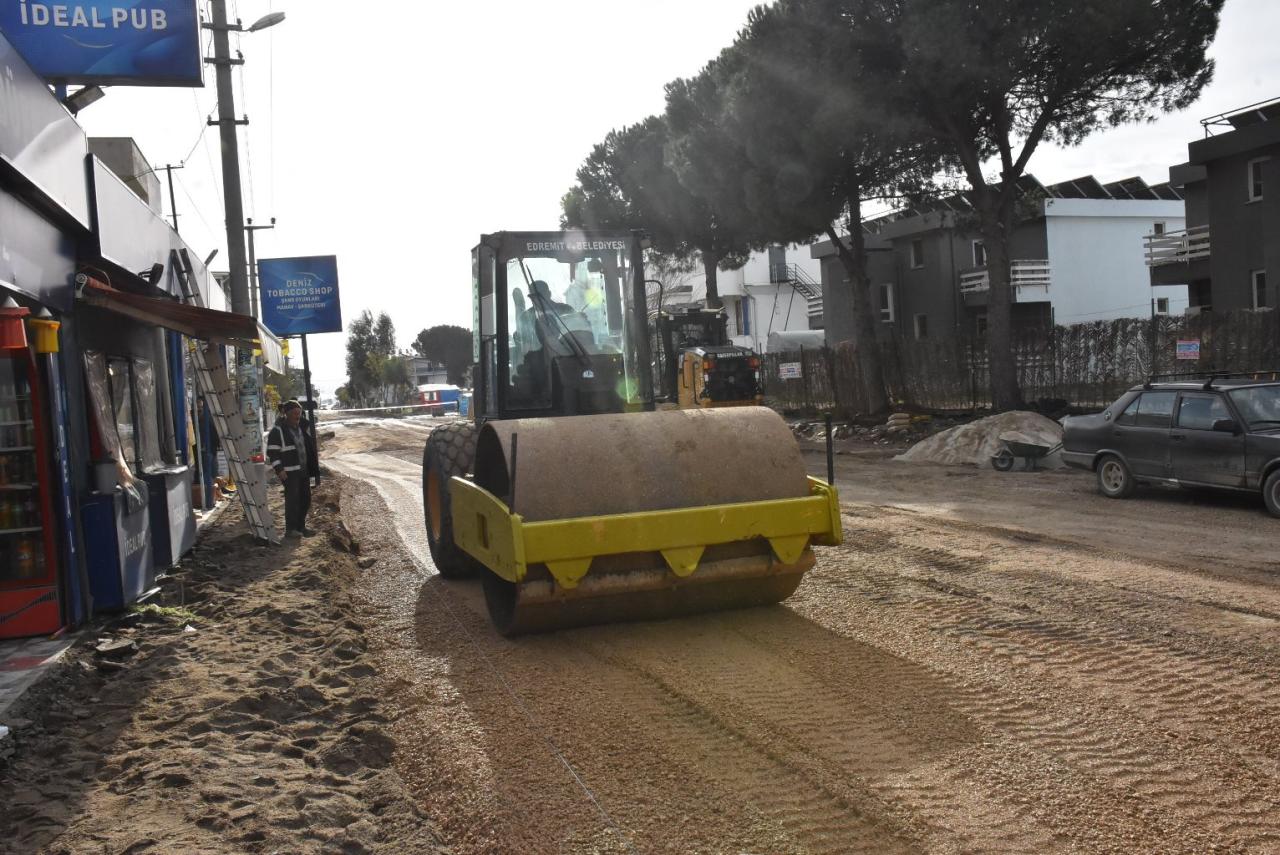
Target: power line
pixel 248 142
pixel 213 174
pixel 203 127
pixel 196 207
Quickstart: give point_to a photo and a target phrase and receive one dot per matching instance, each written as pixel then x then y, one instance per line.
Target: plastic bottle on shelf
pixel 24 557
pixel 30 514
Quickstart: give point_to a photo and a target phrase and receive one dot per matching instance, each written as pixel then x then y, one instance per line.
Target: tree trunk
pixel 710 267
pixel 996 226
pixel 866 348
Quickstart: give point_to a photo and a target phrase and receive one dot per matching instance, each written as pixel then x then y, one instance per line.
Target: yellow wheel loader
pixel 568 494
pixel 698 365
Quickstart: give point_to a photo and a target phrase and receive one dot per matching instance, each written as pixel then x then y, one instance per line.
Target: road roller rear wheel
pixel 450 451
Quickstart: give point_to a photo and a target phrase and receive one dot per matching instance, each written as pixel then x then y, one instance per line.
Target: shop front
pixel 95 410
pixel 44 217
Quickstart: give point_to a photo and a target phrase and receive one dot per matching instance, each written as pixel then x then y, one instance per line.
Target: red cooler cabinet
pixel 28 553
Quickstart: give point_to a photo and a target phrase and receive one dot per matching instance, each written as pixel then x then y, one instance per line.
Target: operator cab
pixel 560 333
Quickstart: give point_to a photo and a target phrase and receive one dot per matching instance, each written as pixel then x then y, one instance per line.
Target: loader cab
pixel 559 324
pixel 696 363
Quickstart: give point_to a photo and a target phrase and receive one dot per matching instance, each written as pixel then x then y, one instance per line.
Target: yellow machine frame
pixel 486 529
pixel 693 377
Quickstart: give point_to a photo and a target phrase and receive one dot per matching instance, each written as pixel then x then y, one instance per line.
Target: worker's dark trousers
pixel 297 500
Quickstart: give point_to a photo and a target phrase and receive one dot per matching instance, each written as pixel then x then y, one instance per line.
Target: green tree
pixel 998 78
pixel 813 150
pixel 371 342
pixel 449 345
pixel 709 161
pixel 627 182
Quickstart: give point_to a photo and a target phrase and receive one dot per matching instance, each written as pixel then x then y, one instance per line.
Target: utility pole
pixel 248 367
pixel 173 203
pixel 253 263
pixel 227 122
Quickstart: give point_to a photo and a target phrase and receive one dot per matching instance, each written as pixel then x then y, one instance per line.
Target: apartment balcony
pixel 1178 258
pixel 1029 279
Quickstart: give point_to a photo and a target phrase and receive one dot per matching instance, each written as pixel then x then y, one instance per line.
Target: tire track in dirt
pixel 746 746
pixel 1138 678
pixel 1115 636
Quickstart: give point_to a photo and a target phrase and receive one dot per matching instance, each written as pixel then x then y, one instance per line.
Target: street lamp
pixel 268 20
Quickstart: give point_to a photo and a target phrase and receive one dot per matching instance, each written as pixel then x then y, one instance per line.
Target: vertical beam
pixel 311 411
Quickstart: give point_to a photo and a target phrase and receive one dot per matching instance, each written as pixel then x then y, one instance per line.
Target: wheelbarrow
pixel 1019 448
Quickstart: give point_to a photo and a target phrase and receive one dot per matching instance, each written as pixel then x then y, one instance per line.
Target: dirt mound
pixel 253 723
pixel 975 443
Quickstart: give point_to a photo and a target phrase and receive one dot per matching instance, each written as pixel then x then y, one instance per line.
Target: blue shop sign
pixel 299 296
pixel 118 42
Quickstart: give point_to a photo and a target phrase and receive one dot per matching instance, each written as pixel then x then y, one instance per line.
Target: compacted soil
pixel 990 663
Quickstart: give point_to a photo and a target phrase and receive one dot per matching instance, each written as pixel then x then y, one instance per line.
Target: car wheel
pixel 1114 478
pixel 1271 493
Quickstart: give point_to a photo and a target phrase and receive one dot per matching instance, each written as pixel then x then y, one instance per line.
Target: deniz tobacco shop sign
pixel 117 42
pixel 299 296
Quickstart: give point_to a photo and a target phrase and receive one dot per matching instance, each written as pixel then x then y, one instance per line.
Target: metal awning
pixel 192 321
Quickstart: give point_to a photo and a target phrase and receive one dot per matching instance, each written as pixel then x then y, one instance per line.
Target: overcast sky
pixel 393 134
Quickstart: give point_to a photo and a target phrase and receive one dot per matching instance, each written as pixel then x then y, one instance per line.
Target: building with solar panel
pixel 1231 184
pixel 1076 255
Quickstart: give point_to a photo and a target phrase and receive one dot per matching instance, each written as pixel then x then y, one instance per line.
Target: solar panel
pixel 1247 118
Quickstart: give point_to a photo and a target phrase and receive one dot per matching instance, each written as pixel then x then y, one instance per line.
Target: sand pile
pixel 975 443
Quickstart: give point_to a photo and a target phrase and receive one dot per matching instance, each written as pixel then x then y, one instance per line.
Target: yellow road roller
pixel 573 499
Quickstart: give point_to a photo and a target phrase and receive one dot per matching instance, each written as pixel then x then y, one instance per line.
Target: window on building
pixel 1157 228
pixel 1162 305
pixel 1255 178
pixel 979 254
pixel 980 325
pixel 886 302
pixel 922 326
pixel 917 253
pixel 1259 278
pixel 122 408
pixel 742 316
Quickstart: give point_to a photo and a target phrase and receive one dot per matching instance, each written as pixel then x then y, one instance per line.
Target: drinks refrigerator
pixel 28 552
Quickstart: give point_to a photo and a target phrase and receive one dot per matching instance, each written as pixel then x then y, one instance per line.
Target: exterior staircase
pixel 802 282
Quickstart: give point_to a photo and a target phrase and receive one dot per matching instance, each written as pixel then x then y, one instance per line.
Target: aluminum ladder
pixel 224 409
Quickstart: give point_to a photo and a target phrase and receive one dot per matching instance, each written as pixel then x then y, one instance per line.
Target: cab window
pixel 1155 409
pixel 1198 411
pixel 1130 414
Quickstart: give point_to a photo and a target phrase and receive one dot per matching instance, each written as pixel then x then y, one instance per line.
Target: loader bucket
pixel 604 518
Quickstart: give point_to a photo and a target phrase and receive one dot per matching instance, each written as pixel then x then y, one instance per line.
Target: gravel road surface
pixel 991 663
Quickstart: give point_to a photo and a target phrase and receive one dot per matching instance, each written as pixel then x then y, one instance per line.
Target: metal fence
pixel 1087 366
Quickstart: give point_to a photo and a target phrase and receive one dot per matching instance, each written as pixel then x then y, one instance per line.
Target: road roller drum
pixel 638 515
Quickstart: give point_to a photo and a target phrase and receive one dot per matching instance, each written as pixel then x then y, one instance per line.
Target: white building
pixel 1097 273
pixel 773 292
